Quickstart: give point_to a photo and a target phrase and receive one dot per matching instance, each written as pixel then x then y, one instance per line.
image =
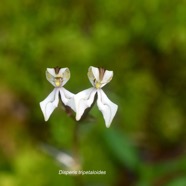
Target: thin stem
pixel 76 142
pixel 78 179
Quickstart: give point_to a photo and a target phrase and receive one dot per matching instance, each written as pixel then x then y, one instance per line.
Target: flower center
pixel 58 81
pixel 97 84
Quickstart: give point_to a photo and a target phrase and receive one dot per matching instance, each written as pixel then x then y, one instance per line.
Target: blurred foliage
pixel 143 42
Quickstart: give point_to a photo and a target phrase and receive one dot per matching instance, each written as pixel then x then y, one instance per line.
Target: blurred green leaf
pixel 122 149
pixel 177 182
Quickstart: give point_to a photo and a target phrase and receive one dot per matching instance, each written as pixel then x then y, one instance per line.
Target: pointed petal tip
pixel 41 106
pixel 46 118
pixel 49 104
pixel 107 107
pixel 77 118
pixel 107 124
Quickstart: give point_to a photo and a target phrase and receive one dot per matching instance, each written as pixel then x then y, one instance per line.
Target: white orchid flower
pixel 58 77
pixel 84 99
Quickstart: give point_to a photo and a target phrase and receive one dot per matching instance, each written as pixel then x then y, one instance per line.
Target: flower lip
pixel 58 81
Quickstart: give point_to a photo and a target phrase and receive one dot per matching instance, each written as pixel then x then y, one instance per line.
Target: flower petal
pixel 107 77
pixel 67 98
pixel 99 77
pixel 50 75
pixel 64 74
pixel 93 74
pixel 51 71
pixel 83 100
pixel 107 107
pixel 50 103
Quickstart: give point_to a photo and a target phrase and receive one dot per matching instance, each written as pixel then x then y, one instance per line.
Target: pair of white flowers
pixel 79 102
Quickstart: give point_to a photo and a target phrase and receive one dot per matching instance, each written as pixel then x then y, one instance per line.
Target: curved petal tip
pixel 107 107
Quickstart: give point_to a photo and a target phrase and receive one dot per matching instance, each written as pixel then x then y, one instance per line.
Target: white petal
pixel 67 98
pixel 83 100
pixel 50 103
pixel 65 74
pixel 96 78
pixel 107 77
pixel 51 71
pixel 93 74
pixel 50 75
pixel 107 107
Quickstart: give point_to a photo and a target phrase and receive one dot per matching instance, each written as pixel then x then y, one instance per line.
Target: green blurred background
pixel 143 42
